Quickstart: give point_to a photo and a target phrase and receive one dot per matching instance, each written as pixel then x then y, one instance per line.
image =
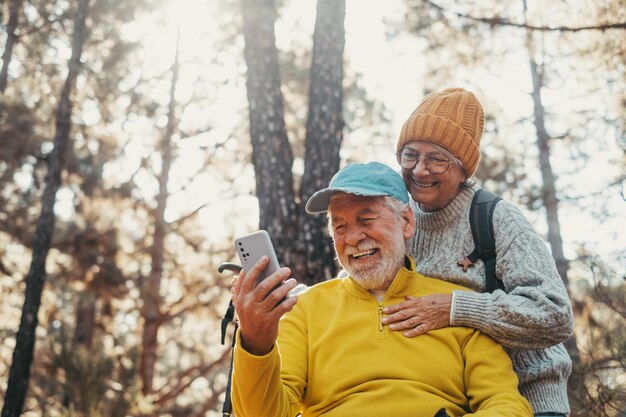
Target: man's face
pixel 369 238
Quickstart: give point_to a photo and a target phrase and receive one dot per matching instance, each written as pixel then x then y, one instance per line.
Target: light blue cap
pixel 371 179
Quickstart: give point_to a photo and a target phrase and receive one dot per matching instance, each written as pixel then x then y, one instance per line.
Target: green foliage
pixel 17 134
pixel 601 326
pixel 93 380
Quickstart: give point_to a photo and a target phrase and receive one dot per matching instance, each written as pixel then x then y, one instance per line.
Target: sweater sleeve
pixel 534 310
pixel 491 384
pixel 272 385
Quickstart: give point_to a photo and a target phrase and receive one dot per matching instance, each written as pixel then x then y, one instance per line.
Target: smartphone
pixel 252 247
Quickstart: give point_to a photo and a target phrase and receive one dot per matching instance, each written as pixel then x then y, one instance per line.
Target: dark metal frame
pixel 229 316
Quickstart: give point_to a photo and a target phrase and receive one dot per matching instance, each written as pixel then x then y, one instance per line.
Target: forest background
pixel 137 139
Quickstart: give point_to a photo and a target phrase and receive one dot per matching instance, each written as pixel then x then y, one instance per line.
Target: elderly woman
pixel 438 151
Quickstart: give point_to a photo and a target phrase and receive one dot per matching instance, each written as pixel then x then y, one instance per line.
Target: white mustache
pixel 362 246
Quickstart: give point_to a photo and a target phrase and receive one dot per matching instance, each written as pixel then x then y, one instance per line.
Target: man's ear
pixel 408 230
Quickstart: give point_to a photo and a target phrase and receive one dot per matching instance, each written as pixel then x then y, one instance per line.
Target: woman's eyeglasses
pixel 436 163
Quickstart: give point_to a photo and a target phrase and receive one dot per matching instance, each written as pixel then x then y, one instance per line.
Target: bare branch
pixel 500 21
pixel 186 378
pixel 178 222
pixel 192 134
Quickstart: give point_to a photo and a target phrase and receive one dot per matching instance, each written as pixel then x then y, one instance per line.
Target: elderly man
pixel 331 355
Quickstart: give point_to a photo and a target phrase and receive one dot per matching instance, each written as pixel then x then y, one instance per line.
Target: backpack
pixel 481 223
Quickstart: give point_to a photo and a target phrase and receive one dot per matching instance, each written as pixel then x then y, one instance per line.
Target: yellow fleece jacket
pixel 335 358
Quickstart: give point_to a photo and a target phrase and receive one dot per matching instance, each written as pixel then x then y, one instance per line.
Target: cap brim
pixel 318 203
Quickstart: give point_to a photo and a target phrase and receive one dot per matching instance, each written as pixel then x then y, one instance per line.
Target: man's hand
pixel 419 315
pixel 257 308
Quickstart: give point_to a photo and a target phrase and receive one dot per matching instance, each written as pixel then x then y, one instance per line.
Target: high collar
pixel 430 220
pixel 406 281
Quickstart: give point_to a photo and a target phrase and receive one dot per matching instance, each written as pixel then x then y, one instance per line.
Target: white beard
pixel 381 274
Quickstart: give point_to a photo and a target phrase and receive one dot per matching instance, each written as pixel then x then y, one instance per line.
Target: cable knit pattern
pixel 530 318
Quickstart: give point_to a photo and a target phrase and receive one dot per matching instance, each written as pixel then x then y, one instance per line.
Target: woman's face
pixel 432 191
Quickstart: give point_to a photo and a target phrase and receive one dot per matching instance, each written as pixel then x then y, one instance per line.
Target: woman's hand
pixel 419 315
pixel 259 308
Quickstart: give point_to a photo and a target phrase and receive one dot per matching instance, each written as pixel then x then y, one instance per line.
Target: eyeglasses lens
pixel 435 163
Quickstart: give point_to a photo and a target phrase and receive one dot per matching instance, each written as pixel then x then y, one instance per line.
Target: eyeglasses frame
pixel 426 165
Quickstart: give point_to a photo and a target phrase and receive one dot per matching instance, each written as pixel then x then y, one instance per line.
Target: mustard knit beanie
pixel 452 119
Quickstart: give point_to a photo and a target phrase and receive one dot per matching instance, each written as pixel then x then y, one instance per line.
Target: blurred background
pixel 138 139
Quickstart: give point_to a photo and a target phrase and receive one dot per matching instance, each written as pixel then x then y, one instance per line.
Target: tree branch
pixel 500 21
pixel 186 378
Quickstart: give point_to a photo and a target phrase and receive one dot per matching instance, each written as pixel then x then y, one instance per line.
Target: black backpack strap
pixel 442 413
pixel 481 222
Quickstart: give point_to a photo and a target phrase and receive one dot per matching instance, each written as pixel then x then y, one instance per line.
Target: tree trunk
pixel 85 319
pixel 271 153
pixel 151 311
pixel 550 202
pixel 25 338
pixel 14 13
pixel 324 133
pixel 301 240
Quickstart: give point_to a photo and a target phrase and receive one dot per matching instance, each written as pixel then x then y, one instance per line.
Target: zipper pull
pixel 380 318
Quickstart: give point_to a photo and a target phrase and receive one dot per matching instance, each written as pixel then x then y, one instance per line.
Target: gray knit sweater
pixel 531 318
